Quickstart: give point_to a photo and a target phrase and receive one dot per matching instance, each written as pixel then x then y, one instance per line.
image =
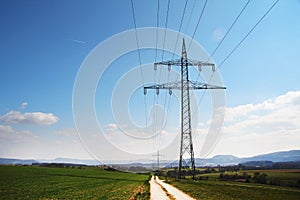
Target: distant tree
pixel 260 178
pixel 263 178
pixel 221 176
pixel 172 173
pixel 246 177
pixel 256 177
pixel 274 181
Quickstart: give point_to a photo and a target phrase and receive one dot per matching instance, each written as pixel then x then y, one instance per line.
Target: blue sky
pixel 43 44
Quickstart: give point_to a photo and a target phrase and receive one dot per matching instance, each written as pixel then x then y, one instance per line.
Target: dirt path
pixel 160 190
pixel 156 191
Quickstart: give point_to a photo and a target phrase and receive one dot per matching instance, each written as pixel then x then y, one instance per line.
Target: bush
pixel 260 178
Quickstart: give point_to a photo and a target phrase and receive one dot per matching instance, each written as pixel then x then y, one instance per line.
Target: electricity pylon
pixel 185 85
pixel 157 159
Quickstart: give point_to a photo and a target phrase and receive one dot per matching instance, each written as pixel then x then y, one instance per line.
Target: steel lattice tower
pixel 185 85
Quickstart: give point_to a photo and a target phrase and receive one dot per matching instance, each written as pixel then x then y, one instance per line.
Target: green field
pixel 33 182
pixel 213 188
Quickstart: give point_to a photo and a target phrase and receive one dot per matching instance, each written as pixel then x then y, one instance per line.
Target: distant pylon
pixel 157 159
pixel 185 85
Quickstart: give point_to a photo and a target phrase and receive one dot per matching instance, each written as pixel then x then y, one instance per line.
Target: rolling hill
pixel 281 156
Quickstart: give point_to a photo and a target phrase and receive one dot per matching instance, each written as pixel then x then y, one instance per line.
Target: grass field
pixel 287 177
pixel 290 178
pixel 33 182
pixel 216 189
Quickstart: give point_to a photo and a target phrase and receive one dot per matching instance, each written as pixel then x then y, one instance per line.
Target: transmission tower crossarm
pixel 189 62
pixel 172 85
pixel 176 85
pixel 176 62
pixel 192 62
pixel 204 86
pixel 200 64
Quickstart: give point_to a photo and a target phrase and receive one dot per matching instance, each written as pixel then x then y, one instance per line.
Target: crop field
pixel 213 188
pixel 33 182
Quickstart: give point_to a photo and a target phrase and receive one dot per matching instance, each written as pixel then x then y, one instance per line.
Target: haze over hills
pixel 70 160
pixel 11 161
pixel 282 156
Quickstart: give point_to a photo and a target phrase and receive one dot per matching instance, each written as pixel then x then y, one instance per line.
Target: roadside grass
pixel 289 178
pixel 33 182
pixel 285 186
pixel 232 190
pixel 144 193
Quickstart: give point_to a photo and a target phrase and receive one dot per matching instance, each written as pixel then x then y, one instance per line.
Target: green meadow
pixel 285 185
pixel 34 182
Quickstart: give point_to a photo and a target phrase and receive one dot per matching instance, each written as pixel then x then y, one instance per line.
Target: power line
pixel 154 79
pixel 181 22
pixel 251 30
pixel 230 28
pixel 196 28
pixel 182 17
pixel 162 57
pixel 236 47
pixel 157 23
pixel 157 155
pixel 140 61
pixel 180 27
pixel 190 17
pixel 165 32
pixel 234 22
pixel 184 85
pixel 137 39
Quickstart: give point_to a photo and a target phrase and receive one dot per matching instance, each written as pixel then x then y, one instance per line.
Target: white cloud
pixel 111 127
pixel 24 144
pixel 5 129
pixel 13 141
pixel 257 143
pixel 31 118
pixel 67 132
pixel 23 105
pixel 287 103
pixel 268 126
pixel 9 133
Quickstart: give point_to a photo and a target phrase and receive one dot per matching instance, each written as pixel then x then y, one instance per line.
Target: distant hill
pixel 10 161
pixel 225 160
pixel 218 160
pixel 258 163
pixel 282 156
pixel 71 161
